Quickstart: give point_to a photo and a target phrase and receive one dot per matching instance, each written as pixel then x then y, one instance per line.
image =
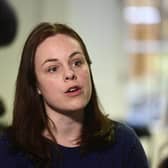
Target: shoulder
pixel 10 157
pixel 118 133
pixel 124 132
pixel 126 136
pixel 130 146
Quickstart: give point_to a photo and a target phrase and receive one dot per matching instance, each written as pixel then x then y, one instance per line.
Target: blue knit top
pixel 126 152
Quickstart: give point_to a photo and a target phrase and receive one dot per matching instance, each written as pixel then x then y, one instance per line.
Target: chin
pixel 80 105
pixel 77 108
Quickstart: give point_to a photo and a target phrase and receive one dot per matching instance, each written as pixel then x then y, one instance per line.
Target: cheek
pixel 85 75
pixel 86 80
pixel 48 86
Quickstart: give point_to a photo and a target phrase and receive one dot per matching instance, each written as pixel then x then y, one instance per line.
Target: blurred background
pixel 128 43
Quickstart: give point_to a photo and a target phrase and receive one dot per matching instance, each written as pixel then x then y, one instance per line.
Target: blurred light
pixel 140 46
pixel 142 15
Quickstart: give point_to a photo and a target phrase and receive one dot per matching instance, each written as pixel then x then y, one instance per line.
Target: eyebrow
pixel 55 59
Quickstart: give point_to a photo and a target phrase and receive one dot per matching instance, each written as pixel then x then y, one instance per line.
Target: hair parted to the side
pixel 29 115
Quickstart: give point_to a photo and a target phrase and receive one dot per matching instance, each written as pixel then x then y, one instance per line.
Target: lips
pixel 73 91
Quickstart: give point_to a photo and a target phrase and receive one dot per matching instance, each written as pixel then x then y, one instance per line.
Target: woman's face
pixel 63 76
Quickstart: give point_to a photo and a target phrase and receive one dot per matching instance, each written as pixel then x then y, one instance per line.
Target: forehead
pixel 57 46
pixel 58 42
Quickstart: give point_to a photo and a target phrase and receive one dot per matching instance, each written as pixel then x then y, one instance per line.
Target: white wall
pixel 99 23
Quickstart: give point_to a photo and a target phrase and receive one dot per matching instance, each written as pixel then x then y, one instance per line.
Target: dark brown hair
pixel 164 163
pixel 30 118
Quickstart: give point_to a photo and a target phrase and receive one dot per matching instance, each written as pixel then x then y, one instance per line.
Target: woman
pixel 57 120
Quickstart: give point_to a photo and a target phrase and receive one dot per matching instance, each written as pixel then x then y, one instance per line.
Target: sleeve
pixel 136 157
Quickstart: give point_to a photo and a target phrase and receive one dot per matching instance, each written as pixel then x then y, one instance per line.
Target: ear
pixel 38 91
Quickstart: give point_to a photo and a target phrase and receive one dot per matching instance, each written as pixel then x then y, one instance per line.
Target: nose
pixel 70 75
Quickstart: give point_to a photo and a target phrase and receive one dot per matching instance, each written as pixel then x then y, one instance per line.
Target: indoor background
pixel 127 42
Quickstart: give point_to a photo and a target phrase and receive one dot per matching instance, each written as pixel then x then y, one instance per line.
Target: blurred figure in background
pixel 8 23
pixel 8 31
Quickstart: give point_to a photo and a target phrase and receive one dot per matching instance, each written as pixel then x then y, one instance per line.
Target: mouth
pixel 73 91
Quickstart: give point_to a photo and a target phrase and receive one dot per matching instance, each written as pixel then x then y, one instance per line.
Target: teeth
pixel 72 89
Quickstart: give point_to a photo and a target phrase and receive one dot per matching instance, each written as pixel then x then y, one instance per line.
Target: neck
pixel 65 128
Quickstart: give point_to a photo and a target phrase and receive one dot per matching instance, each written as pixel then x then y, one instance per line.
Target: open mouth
pixel 73 89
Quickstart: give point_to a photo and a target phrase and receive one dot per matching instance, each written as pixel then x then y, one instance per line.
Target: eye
pixel 77 63
pixel 52 69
